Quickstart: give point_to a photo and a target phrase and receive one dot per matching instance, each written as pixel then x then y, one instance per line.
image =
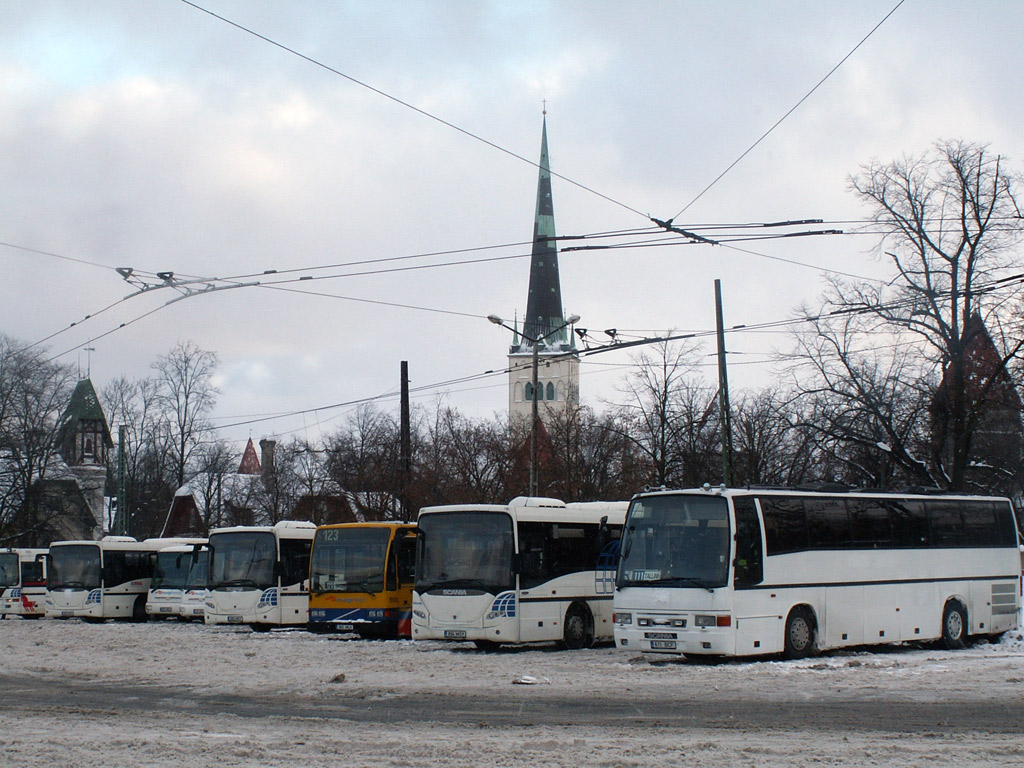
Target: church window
pixel 551 390
pixel 529 390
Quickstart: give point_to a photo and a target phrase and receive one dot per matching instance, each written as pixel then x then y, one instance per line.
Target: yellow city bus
pixel 361 577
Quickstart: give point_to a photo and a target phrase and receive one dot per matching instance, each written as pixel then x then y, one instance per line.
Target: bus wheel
pixel 139 610
pixel 799 633
pixel 487 646
pixel 578 628
pixel 954 626
pixel 259 627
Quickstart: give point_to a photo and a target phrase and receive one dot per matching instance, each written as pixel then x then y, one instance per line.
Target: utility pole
pixel 121 518
pixel 405 448
pixel 725 421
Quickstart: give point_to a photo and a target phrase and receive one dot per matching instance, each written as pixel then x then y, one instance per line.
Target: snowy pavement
pixel 163 694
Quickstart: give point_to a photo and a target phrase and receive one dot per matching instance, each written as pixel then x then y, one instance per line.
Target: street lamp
pixel 572 320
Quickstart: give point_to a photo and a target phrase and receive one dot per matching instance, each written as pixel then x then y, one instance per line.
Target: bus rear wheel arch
pixel 954 625
pixel 578 628
pixel 801 628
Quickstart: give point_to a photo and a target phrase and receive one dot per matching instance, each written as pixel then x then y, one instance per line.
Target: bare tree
pixel 664 414
pixel 948 222
pixel 149 475
pixel 33 394
pixel 184 378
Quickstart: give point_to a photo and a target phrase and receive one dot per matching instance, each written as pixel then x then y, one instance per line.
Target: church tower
pixel 544 325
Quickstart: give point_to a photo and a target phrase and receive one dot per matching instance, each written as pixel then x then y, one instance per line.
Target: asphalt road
pixel 526 705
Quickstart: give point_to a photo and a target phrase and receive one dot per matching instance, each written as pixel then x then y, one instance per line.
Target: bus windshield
pixel 242 559
pixel 171 570
pixel 198 569
pixel 465 550
pixel 675 540
pixel 76 566
pixel 9 569
pixel 349 560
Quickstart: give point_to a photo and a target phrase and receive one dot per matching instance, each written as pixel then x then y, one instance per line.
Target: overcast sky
pixel 156 136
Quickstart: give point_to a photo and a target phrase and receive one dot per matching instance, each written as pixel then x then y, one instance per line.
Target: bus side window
pixel 294 561
pixel 391 570
pixel 533 558
pixel 114 568
pixel 406 559
pixel 749 568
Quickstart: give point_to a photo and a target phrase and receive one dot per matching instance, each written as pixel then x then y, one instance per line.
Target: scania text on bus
pixel 535 570
pixel 360 579
pixel 748 572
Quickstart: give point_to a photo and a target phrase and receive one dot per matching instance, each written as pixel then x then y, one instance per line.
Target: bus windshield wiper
pixel 80 584
pixel 675 580
pixel 236 583
pixel 370 585
pixel 455 584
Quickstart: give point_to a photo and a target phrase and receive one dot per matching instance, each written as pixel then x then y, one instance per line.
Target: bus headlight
pixel 622 618
pixel 712 621
pixel 419 614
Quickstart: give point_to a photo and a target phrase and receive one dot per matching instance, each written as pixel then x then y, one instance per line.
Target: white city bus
pixel 535 570
pixel 193 601
pixel 736 572
pixel 258 575
pixel 97 580
pixel 170 573
pixel 22 583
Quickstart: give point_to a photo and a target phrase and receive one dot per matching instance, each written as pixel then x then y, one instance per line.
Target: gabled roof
pixel 250 464
pixel 84 406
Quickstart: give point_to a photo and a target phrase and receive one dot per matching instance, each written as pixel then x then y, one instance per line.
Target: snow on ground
pixel 294 666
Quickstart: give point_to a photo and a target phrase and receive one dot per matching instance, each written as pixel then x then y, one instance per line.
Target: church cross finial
pixel 544 111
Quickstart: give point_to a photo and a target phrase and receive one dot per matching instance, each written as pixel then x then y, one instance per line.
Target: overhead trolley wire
pixel 792 109
pixel 407 105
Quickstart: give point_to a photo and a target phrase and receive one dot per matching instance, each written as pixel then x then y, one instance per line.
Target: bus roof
pixel 123 544
pixel 395 524
pixel 582 512
pixel 286 529
pixel 812 492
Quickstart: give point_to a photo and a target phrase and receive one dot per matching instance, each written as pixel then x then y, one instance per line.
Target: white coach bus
pixel 258 575
pixel 22 583
pixel 535 570
pixel 193 601
pixel 97 580
pixel 170 575
pixel 735 572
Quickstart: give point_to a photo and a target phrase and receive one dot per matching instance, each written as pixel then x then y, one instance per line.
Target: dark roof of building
pixel 84 406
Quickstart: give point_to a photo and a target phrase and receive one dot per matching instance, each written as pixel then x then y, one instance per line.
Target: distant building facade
pixel 997 444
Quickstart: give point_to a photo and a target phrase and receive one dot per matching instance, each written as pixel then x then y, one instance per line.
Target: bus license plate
pixel 66 614
pixel 165 609
pixel 663 645
pixel 455 634
pixel 234 619
pixel 345 627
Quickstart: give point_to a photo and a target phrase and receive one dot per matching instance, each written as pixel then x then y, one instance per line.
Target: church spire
pixel 544 303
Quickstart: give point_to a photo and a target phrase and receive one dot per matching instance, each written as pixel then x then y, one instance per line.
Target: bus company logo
pixel 455 592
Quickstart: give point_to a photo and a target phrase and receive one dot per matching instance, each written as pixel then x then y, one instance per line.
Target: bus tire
pixel 487 646
pixel 954 626
pixel 139 614
pixel 800 631
pixel 577 628
pixel 255 627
